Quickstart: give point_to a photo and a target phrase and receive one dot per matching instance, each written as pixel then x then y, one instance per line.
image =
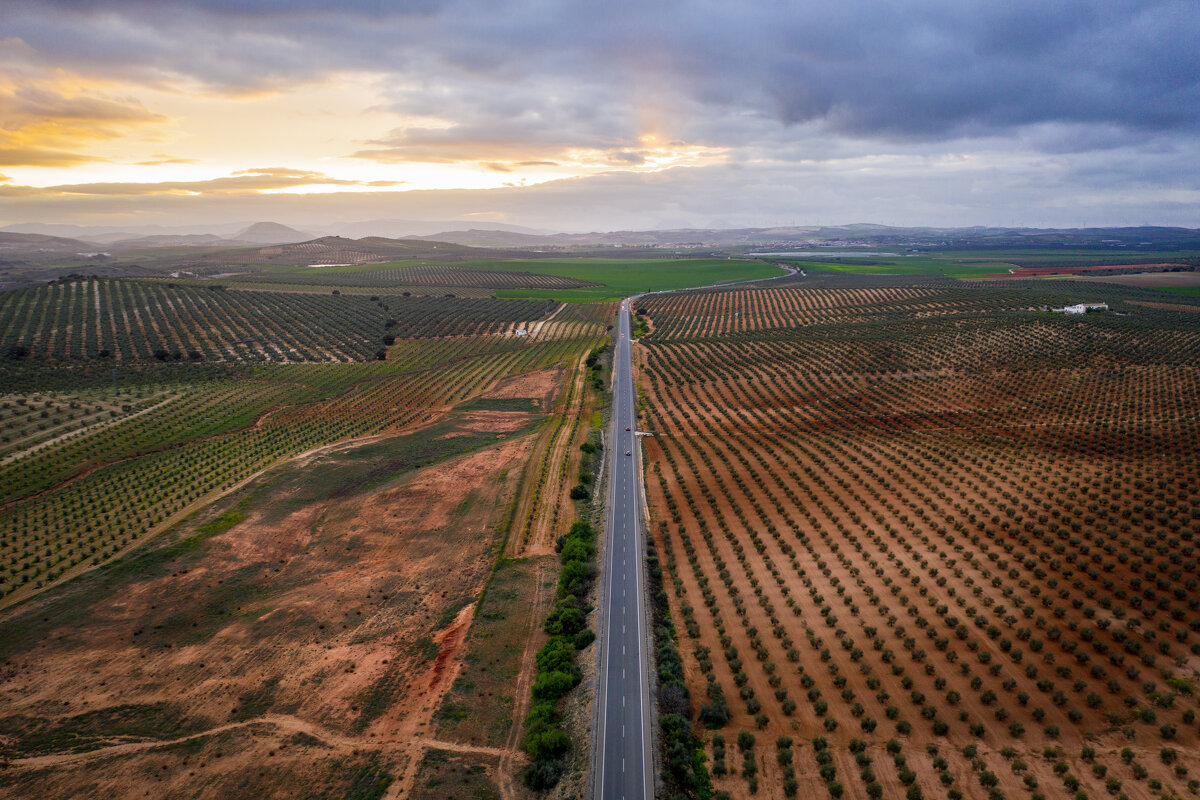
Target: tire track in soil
pixel 284 722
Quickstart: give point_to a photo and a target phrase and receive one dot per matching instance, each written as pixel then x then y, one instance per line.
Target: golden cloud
pixel 23 156
pixel 242 182
pixel 45 125
pixel 160 159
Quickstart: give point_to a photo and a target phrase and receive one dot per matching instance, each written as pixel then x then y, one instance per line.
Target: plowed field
pixel 926 543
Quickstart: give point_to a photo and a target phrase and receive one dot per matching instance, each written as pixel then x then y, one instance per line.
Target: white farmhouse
pixel 1084 308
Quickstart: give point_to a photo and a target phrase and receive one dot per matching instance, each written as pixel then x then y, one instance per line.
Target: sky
pixel 580 116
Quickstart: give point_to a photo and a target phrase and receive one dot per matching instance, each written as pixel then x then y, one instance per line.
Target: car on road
pixel 627 429
pixel 628 452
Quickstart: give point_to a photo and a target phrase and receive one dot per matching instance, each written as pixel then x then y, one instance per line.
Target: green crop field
pixel 566 279
pixel 1191 291
pixel 904 265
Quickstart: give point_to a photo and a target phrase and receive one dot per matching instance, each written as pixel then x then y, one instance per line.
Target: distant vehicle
pixel 628 453
pixel 627 429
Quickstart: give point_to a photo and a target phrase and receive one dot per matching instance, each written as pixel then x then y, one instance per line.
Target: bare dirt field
pixel 1151 279
pixel 955 553
pixel 1036 272
pixel 294 642
pixel 540 384
pixel 1187 309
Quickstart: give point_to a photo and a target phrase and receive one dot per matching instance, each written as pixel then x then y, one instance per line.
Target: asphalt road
pixel 624 760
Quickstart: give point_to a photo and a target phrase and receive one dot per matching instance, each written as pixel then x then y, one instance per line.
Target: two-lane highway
pixel 624 759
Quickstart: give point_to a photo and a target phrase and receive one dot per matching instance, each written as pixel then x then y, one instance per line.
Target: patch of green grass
pixel 1065 256
pixel 424 648
pixel 478 709
pixel 357 777
pixel 221 524
pixel 381 695
pixel 505 404
pixel 451 611
pixel 349 472
pixel 1190 291
pixel 97 728
pixel 443 774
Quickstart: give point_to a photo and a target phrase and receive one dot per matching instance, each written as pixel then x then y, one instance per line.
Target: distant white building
pixel 1084 308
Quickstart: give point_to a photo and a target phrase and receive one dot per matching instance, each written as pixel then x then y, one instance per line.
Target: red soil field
pixel 924 552
pixel 303 651
pixel 1034 272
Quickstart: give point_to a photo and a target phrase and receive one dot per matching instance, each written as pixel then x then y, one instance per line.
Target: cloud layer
pixel 785 91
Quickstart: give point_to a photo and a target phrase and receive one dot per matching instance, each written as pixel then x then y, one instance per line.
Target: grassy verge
pixel 478 709
pixel 546 741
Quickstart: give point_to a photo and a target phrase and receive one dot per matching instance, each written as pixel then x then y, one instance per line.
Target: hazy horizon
pixel 577 118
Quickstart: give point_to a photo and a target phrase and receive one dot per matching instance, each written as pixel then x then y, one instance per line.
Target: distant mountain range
pixel 28 257
pixel 139 236
pixel 402 228
pixel 842 235
pixel 62 238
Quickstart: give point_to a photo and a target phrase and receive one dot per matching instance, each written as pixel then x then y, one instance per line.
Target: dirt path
pixel 455 747
pixel 536 328
pixel 283 722
pixel 8 459
pixel 547 487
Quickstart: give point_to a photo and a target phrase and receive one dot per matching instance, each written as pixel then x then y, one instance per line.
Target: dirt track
pixel 338 593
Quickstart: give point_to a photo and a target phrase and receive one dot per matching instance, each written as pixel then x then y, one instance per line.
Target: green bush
pixel 553 685
pixel 545 741
pixel 546 744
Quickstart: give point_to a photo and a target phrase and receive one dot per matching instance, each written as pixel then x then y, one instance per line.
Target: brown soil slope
pixel 299 653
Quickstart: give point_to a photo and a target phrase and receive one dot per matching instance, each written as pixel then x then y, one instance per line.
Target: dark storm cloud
pixel 927 70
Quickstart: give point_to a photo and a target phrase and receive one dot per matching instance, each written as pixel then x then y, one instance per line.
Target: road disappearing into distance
pixel 624 759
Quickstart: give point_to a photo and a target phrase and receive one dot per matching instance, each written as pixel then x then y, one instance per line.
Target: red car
pixel 627 429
